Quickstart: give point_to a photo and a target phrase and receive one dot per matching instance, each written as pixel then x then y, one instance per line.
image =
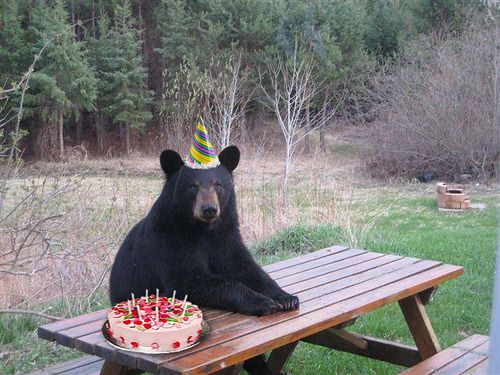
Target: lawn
pixel 381 220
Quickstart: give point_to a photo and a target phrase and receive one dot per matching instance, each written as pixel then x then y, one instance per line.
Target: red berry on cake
pixel 176 345
pixel 190 340
pixel 147 325
pixel 134 344
pixel 154 345
pixel 122 339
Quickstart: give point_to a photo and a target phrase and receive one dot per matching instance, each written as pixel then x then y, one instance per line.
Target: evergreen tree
pixel 385 29
pixel 123 96
pixel 14 54
pixel 64 83
pixel 441 17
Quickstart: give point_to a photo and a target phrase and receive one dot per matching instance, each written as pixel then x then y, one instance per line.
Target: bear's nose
pixel 209 211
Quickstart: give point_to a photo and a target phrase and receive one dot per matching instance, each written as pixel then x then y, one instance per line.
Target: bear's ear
pixel 170 162
pixel 230 157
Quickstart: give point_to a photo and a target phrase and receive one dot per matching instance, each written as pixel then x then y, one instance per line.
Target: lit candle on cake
pixel 185 305
pixel 173 298
pixel 129 307
pixel 139 312
pixel 133 299
pixel 156 314
pixel 147 295
pixel 157 296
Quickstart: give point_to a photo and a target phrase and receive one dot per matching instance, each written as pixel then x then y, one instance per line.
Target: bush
pixel 441 110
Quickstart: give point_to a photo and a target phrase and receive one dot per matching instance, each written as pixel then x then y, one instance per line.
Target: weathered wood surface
pixel 420 326
pixel 280 356
pixel 366 346
pixel 469 356
pixel 85 365
pixel 335 285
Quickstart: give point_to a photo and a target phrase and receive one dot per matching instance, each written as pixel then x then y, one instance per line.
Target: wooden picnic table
pixel 335 286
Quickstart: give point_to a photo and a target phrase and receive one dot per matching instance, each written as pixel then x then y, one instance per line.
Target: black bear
pixel 190 242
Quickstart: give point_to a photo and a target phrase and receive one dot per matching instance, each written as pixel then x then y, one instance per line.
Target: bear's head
pixel 200 195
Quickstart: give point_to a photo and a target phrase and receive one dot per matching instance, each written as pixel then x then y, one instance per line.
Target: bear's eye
pixel 192 187
pixel 218 186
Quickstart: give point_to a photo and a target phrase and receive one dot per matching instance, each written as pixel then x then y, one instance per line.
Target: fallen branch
pixel 28 312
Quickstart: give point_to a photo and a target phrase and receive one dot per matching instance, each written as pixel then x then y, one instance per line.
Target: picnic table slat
pixel 480 369
pixel 342 273
pixel 73 364
pixel 314 264
pixel 326 269
pixel 47 331
pixel 446 356
pixel 260 341
pixel 466 362
pixel 270 268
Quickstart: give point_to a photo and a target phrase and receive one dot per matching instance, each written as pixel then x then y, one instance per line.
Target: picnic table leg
pixel 232 370
pixel 113 368
pixel 420 326
pixel 280 356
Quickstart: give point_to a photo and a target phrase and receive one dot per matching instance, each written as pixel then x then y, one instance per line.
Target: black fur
pixel 171 250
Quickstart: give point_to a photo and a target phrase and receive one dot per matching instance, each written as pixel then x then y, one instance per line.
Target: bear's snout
pixel 206 207
pixel 209 211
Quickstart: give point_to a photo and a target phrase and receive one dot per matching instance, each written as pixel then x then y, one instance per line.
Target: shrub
pixel 441 109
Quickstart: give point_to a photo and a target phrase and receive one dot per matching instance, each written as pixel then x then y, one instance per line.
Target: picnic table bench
pixel 335 286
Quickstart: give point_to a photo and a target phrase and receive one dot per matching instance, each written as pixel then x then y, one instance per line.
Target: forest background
pixel 110 77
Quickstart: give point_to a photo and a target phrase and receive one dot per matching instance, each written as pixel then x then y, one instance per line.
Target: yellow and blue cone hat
pixel 201 154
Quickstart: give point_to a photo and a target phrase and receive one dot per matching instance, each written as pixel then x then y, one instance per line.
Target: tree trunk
pixel 79 129
pixel 127 137
pixel 307 138
pixel 99 125
pixel 93 19
pixel 61 134
pixel 286 173
pixel 322 141
pixel 152 58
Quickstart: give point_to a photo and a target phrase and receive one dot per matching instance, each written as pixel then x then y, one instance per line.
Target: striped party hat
pixel 201 154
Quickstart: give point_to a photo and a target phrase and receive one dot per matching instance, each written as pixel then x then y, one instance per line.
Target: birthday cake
pixel 154 323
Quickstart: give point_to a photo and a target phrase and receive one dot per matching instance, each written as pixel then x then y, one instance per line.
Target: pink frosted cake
pixel 151 324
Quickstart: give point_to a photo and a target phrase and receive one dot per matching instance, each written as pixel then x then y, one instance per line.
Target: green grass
pixel 411 228
pixel 407 227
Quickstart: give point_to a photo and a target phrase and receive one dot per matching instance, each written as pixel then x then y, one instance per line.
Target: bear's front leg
pixel 209 290
pixel 253 276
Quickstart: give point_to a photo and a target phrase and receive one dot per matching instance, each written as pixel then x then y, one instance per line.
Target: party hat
pixel 201 154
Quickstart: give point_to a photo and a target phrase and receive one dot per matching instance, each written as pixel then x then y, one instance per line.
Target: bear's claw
pixel 261 306
pixel 287 302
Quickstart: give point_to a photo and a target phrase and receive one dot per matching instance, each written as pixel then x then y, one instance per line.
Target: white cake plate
pixel 114 342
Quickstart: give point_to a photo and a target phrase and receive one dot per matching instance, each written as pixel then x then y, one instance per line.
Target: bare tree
pixel 439 110
pixel 227 101
pixel 292 87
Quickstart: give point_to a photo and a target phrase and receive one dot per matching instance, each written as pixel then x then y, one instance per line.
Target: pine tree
pixel 14 54
pixel 64 83
pixel 123 96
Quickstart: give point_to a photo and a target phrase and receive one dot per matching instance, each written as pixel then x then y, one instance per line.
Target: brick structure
pixel 451 199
